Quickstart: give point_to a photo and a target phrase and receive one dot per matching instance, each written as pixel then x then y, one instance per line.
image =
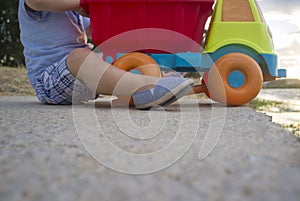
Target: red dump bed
pixel 112 17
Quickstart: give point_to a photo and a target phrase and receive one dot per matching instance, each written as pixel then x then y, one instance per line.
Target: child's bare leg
pixel 104 78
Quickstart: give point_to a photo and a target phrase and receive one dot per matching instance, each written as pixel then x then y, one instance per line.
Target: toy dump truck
pixel 237 55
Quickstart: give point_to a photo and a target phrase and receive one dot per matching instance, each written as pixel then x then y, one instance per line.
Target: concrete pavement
pixel 235 153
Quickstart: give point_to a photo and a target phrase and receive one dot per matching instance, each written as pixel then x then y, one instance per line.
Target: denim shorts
pixel 58 86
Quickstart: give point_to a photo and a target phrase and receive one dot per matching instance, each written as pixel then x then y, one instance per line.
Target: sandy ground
pixel 195 150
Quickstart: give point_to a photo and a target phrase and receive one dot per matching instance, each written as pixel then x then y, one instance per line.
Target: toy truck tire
pixel 140 62
pixel 218 83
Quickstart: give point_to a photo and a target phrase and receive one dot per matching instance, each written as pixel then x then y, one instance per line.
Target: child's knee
pixel 76 58
pixel 79 52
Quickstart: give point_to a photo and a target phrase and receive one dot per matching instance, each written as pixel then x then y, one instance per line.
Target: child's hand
pixel 82 38
pixel 82 12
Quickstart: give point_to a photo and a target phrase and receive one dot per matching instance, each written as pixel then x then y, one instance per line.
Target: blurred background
pixel 283 20
pixel 11 51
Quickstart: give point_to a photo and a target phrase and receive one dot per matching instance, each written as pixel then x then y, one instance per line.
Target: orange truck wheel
pixel 219 86
pixel 140 62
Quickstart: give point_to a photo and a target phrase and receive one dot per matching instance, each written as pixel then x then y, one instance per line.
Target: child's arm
pixel 53 5
pixel 88 32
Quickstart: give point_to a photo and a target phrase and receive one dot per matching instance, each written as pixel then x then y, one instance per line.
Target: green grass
pixel 283 83
pixel 267 105
pixel 295 128
pixel 14 82
pixel 274 106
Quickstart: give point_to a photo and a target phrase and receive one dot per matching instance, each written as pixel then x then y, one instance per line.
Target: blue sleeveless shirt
pixel 48 37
